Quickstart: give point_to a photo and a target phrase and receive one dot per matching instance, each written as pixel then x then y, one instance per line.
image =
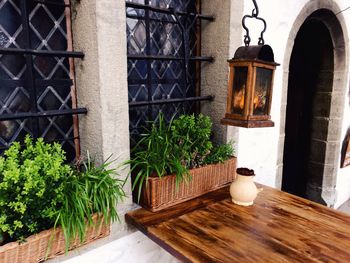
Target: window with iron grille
pixel 37 92
pixel 164 59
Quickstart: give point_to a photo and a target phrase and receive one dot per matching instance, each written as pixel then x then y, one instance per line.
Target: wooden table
pixel 279 227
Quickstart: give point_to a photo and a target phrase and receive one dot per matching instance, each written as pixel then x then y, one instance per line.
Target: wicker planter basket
pixel 161 193
pixel 47 244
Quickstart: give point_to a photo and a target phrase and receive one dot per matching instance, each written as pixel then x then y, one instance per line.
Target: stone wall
pixel 219 38
pixel 99 30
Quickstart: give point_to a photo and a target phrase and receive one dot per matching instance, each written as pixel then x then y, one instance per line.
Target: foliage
pixel 31 187
pixel 220 153
pixel 174 148
pixel 191 138
pixel 39 191
pixel 2 238
pixel 95 190
pixel 154 154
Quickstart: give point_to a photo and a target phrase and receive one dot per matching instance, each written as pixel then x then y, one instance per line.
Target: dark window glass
pixel 166 75
pixel 35 83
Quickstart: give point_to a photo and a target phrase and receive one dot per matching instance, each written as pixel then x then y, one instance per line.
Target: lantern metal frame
pixel 252 58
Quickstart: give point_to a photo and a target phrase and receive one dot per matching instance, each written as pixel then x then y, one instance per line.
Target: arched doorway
pixel 310 84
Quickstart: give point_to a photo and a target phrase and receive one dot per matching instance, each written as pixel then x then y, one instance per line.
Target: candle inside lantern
pixel 239 87
pixel 262 91
pixel 250 87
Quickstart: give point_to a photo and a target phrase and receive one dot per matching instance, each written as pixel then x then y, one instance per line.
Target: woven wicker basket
pixel 162 192
pixel 47 244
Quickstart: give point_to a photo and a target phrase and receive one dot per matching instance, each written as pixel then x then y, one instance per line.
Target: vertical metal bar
pixel 185 46
pixel 72 77
pixel 149 63
pixel 30 79
pixel 198 54
pixel 185 38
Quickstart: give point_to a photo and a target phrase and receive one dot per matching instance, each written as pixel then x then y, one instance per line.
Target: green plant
pixel 2 238
pixel 191 139
pixel 38 191
pixel 94 190
pixel 154 155
pixel 32 181
pixel 174 148
pixel 220 153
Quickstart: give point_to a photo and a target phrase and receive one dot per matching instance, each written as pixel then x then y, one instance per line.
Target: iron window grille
pixel 37 90
pixel 164 59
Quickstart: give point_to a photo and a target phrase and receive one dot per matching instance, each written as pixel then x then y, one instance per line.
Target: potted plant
pixel 47 206
pixel 178 161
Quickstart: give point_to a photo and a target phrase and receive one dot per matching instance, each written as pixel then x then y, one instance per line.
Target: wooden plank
pixel 279 227
pixel 143 218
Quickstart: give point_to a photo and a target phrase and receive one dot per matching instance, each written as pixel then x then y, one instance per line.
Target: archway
pixel 316 78
pixel 311 71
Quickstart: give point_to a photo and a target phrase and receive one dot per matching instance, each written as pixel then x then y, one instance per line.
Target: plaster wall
pixel 262 149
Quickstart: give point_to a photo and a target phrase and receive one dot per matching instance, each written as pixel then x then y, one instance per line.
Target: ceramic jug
pixel 243 190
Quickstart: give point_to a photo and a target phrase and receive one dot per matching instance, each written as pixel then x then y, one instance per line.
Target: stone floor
pixel 345 207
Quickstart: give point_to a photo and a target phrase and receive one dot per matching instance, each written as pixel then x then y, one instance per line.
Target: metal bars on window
pixel 164 59
pixel 37 91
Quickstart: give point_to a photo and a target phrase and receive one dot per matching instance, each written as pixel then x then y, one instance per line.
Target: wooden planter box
pixel 162 192
pixel 47 244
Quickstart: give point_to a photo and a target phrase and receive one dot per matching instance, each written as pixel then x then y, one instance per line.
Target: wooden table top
pixel 279 227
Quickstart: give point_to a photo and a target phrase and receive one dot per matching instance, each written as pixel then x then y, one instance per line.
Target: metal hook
pixel 255 14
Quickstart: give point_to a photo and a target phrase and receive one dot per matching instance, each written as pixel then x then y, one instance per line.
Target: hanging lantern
pixel 250 82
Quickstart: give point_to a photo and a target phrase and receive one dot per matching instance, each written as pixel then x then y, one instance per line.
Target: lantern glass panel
pixel 262 91
pixel 239 89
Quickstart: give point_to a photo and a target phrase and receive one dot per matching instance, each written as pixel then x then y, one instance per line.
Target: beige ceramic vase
pixel 243 190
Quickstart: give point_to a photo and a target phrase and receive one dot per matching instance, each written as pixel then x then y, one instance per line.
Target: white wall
pixel 262 149
pixel 343 179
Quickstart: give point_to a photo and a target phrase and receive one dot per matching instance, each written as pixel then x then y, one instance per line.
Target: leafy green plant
pixel 191 138
pixel 220 153
pixel 39 191
pixel 174 148
pixel 94 190
pixel 32 181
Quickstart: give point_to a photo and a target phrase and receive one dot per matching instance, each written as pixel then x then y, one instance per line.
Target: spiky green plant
pixel 95 190
pixel 155 155
pixel 174 148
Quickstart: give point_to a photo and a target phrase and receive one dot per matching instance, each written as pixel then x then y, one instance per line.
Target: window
pixel 37 92
pixel 164 59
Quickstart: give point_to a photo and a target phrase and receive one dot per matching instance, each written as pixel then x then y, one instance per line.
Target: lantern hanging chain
pixel 255 14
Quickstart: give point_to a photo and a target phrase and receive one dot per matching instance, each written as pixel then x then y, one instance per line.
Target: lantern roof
pixel 260 53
